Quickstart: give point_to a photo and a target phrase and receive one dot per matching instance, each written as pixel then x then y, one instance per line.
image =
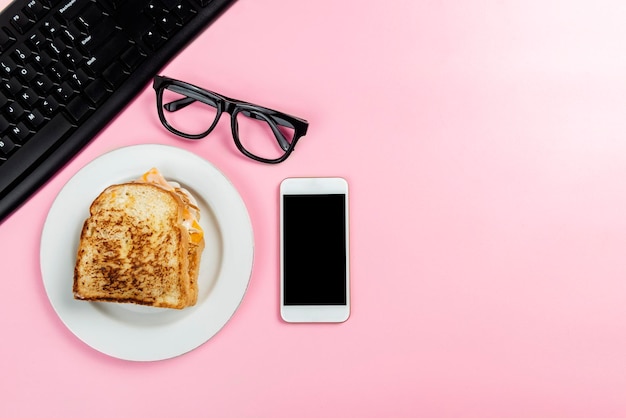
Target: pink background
pixel 485 146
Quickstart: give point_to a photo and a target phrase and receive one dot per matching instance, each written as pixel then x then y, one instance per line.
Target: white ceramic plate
pixel 140 333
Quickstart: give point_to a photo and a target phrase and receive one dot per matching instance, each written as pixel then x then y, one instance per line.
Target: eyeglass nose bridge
pixel 229 106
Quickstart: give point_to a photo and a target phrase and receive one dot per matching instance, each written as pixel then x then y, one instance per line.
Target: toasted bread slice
pixel 134 248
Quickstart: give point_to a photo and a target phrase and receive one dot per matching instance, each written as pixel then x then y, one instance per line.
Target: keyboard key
pixel 64 92
pixel 77 109
pixel 56 47
pixel 100 35
pixel 14 111
pixel 43 84
pixel 184 12
pixel 143 25
pixel 92 17
pixel 6 145
pixel 57 71
pixel 42 60
pixel 4 123
pixel 22 53
pixel 132 57
pixel 11 86
pixel 167 24
pixel 102 57
pixel 7 65
pixel 35 9
pixel 21 22
pixel 96 91
pixel 28 97
pixel 79 79
pixel 19 133
pixel 35 118
pixel 71 10
pixel 49 105
pixel 70 34
pixel 72 58
pixel 153 39
pixel 50 28
pixel 155 10
pixel 114 74
pixel 27 73
pixel 6 39
pixel 128 11
pixel 36 40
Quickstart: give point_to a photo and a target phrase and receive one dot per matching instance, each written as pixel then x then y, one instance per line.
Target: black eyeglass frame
pixel 231 106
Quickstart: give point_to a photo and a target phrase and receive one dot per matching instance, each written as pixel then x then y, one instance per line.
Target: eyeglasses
pixel 260 133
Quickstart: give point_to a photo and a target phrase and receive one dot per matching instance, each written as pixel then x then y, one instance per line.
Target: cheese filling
pixel 191 213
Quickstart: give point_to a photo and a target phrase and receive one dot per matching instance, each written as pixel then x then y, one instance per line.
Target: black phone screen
pixel 314 245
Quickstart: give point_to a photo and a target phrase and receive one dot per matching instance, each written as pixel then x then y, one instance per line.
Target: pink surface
pixel 484 143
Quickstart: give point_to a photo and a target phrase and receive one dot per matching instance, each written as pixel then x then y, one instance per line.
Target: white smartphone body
pixel 314 250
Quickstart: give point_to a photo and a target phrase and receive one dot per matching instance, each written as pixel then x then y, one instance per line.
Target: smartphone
pixel 314 250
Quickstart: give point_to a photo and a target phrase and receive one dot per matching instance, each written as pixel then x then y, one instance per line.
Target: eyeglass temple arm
pixel 178 104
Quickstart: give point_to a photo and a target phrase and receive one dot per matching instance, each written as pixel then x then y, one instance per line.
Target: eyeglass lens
pixel 187 115
pixel 259 134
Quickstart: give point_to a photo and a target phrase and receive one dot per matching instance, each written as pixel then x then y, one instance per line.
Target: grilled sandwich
pixel 141 244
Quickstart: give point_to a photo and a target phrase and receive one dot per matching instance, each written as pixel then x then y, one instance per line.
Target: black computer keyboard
pixel 67 67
